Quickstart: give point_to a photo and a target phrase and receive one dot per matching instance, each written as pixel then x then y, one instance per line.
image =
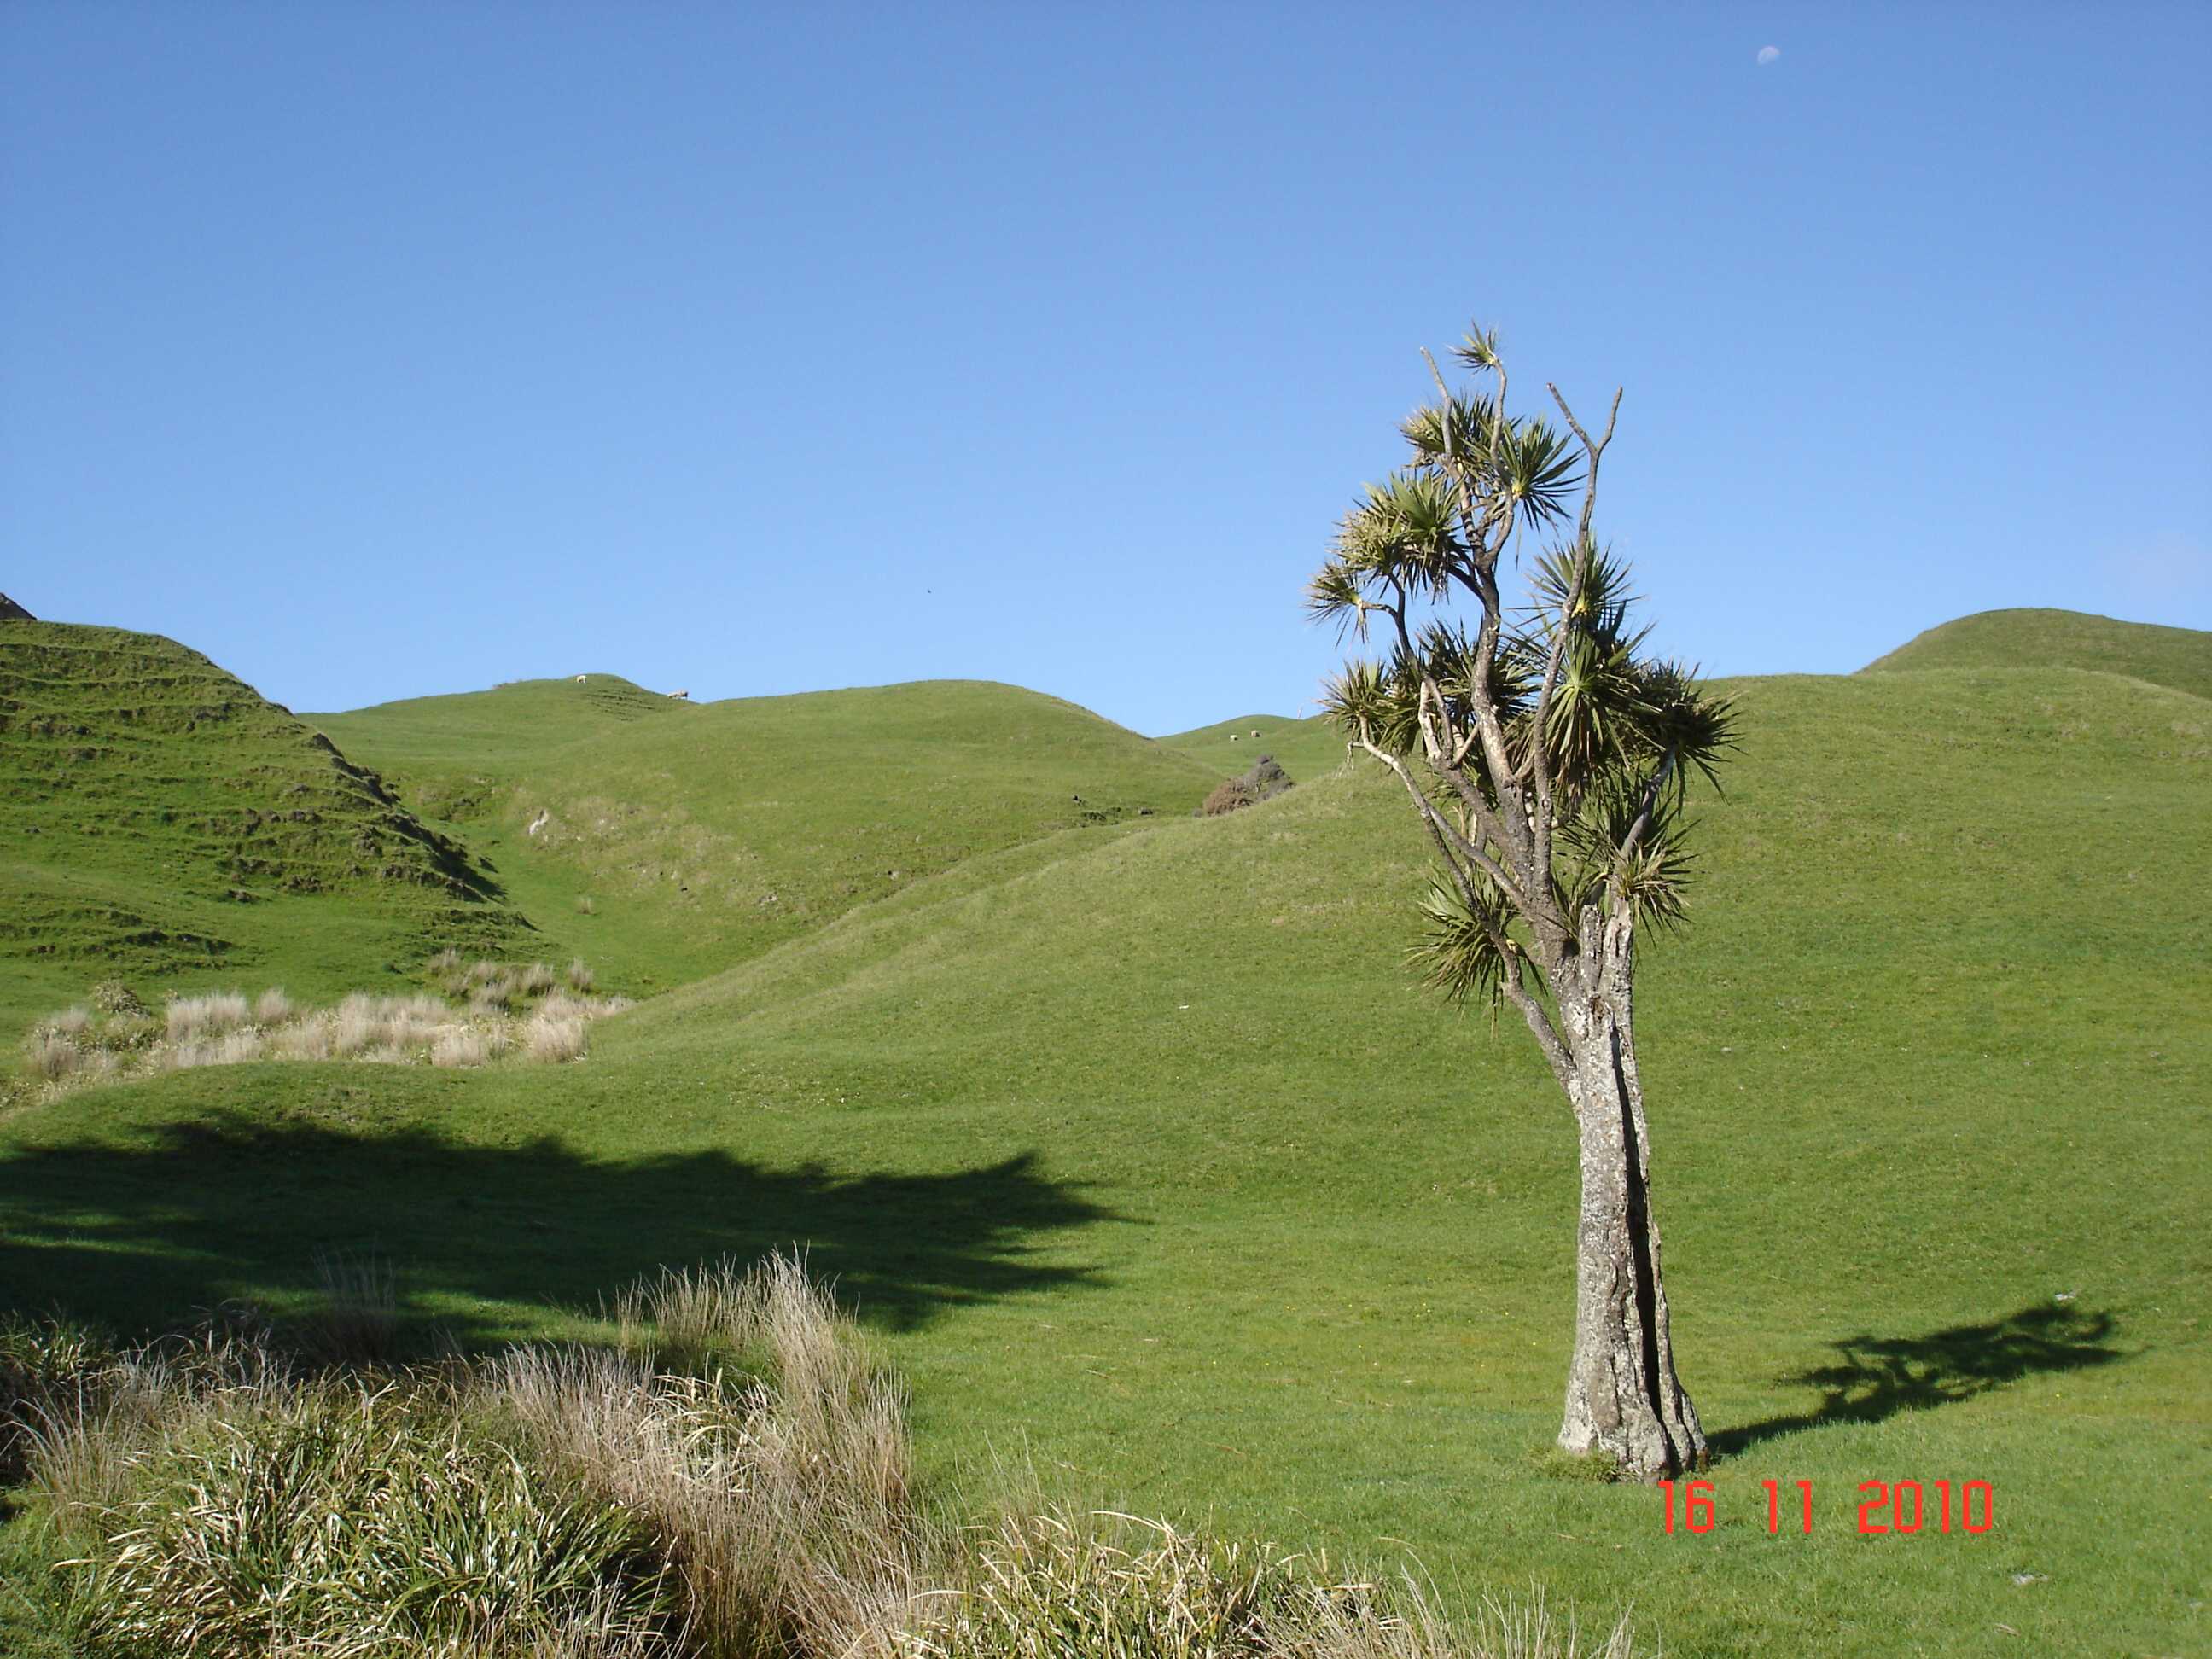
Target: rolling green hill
pixel 1161 1175
pixel 703 835
pixel 164 821
pixel 2177 657
pixel 1307 748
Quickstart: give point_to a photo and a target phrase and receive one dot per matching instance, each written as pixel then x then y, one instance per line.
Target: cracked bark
pixel 1624 1399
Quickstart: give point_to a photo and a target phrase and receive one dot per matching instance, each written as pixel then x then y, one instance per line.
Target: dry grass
pixel 785 1500
pixel 459 1046
pixel 50 1056
pixel 311 1038
pixel 232 1049
pixel 71 1048
pixel 580 977
pixel 188 1019
pixel 535 980
pixel 555 1039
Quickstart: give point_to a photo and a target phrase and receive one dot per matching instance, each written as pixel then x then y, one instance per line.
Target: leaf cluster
pixel 1554 719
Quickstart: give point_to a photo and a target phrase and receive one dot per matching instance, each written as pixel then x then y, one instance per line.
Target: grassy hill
pixel 1307 748
pixel 1159 1172
pixel 2177 657
pixel 164 821
pixel 703 835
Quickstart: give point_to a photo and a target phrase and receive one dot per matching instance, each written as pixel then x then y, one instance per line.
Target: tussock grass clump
pixel 273 1007
pixel 743 1418
pixel 555 1039
pixel 44 1364
pixel 76 1022
pixel 312 1038
pixel 584 907
pixel 390 1523
pixel 188 1019
pixel 580 976
pixel 535 980
pixel 1056 1583
pixel 50 1056
pixel 1065 1583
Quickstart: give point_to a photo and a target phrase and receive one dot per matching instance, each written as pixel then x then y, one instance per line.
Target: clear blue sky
pixel 379 350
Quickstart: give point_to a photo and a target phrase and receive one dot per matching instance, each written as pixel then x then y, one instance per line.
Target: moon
pixel 1768 54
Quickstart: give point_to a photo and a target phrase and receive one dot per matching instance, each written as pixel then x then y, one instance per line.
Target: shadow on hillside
pixel 1875 1379
pixel 151 1235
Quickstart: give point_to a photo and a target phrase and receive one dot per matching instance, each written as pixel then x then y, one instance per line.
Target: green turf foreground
pixel 1160 1177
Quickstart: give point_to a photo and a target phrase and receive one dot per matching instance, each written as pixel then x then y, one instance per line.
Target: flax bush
pixel 347 1519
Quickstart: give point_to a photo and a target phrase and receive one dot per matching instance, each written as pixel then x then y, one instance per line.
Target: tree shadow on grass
pixel 144 1234
pixel 1875 1378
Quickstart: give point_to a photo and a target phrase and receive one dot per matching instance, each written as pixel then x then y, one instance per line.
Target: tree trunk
pixel 1624 1399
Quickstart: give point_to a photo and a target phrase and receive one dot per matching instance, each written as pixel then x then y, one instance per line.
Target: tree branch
pixel 1447 831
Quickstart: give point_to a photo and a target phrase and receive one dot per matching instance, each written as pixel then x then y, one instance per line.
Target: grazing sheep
pixel 679 694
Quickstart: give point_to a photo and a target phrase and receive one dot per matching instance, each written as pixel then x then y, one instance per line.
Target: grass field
pixel 1158 1173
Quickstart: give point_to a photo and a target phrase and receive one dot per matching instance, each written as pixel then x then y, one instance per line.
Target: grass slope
pixel 1307 748
pixel 1158 1167
pixel 164 821
pixel 704 835
pixel 2177 657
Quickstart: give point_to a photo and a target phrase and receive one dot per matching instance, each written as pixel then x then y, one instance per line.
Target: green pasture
pixel 1166 1185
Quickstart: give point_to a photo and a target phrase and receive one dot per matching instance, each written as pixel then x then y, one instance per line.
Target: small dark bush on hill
pixel 1264 782
pixel 1226 798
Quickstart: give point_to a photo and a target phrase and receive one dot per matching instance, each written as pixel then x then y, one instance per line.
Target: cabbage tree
pixel 1548 756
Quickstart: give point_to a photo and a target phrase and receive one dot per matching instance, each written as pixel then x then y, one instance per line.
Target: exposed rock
pixel 1266 778
pixel 1264 782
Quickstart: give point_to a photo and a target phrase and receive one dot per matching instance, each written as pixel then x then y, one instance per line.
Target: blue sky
pixel 383 349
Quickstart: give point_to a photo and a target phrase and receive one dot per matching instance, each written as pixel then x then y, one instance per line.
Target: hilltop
pixel 2181 658
pixel 164 820
pixel 702 835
